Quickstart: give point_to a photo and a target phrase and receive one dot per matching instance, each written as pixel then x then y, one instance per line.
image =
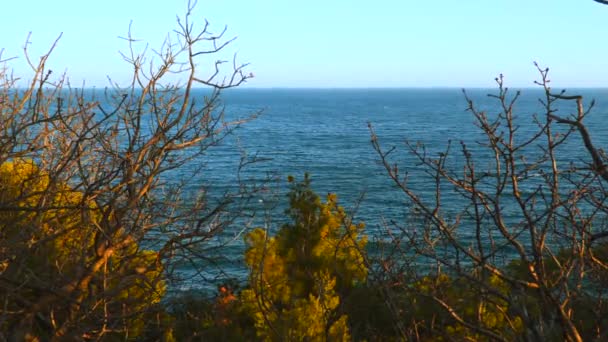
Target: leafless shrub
pixel 524 247
pixel 112 192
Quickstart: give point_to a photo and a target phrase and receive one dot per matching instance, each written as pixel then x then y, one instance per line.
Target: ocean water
pixel 324 132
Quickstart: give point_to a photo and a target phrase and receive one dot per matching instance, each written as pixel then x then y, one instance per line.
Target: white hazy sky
pixel 339 43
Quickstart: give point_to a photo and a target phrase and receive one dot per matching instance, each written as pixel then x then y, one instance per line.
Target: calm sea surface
pixel 325 133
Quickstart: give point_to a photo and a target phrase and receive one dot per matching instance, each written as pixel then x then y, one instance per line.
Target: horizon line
pixel 529 87
pixel 405 87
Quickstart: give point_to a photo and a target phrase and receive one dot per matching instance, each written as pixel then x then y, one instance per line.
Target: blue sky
pixel 339 43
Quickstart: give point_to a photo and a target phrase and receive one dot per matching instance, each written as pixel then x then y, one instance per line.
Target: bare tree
pixel 520 255
pixel 95 201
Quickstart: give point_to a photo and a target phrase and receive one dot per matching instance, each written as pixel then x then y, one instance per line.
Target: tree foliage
pixel 43 249
pixel 300 277
pixel 93 220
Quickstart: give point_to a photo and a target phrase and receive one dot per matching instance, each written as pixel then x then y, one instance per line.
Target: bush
pixel 93 219
pixel 43 249
pixel 300 277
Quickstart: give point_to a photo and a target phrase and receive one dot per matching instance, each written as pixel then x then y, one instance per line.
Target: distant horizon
pixel 239 88
pixel 429 88
pixel 408 87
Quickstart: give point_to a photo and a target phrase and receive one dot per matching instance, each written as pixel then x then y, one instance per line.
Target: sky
pixel 329 43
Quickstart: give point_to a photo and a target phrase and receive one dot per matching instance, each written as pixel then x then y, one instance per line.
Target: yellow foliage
pixel 52 229
pixel 475 301
pixel 298 276
pixel 43 213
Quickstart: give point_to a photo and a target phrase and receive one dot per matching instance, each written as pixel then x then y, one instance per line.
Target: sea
pixel 326 133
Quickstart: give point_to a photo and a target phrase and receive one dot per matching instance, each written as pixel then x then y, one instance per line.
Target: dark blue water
pixel 325 132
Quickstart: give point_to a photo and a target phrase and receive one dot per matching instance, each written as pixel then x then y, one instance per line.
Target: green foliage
pixel 479 301
pixel 588 309
pixel 48 240
pixel 196 318
pixel 300 276
pixel 436 308
pixel 28 191
pixel 369 316
pixel 307 282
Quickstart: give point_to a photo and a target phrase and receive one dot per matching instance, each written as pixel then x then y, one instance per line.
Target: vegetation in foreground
pixel 93 224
